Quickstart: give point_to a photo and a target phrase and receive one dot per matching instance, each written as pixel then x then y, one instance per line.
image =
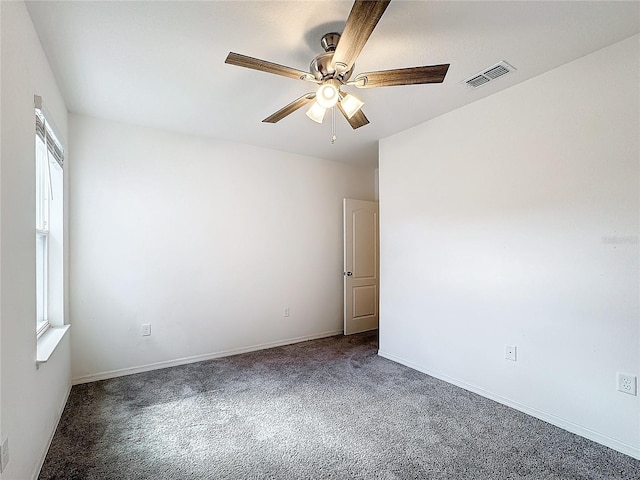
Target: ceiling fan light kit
pixel 327 95
pixel 316 112
pixel 350 104
pixel 333 68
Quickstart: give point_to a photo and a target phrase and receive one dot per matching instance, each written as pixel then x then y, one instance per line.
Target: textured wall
pixel 32 399
pixel 206 240
pixel 514 220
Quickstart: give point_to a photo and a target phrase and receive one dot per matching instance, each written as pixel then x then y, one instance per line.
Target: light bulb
pixel 327 95
pixel 350 105
pixel 316 112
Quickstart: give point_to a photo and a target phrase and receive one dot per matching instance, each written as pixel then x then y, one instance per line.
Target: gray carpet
pixel 327 408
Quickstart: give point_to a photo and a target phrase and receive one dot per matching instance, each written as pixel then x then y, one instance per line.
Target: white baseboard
pixel 43 455
pixel 197 358
pixel 568 425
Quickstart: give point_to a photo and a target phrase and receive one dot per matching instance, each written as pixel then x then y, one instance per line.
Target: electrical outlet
pixel 510 352
pixel 146 329
pixel 4 454
pixel 285 312
pixel 627 384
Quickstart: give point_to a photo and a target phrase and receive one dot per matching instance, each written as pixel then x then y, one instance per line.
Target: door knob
pixel 348 274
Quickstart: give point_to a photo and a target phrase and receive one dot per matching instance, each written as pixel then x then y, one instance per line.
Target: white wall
pixel 32 399
pixel 206 240
pixel 1 434
pixel 515 220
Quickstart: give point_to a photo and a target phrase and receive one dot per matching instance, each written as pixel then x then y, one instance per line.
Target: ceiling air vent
pixel 495 71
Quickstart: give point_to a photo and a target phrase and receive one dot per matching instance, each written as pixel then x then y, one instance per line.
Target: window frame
pixel 49 154
pixel 42 282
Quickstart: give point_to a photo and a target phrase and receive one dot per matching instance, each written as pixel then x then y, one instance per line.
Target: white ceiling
pixel 161 64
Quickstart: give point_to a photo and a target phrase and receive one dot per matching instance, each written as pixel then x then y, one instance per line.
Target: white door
pixel 360 265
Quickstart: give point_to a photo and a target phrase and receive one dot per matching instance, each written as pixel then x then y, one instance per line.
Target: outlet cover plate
pixel 510 352
pixel 627 383
pixel 146 329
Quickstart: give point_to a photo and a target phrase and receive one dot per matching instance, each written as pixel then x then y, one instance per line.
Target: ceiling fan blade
pixel 363 18
pixel 401 76
pixel 289 109
pixel 264 66
pixel 358 120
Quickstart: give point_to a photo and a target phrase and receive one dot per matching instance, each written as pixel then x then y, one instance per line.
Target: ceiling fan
pixel 332 69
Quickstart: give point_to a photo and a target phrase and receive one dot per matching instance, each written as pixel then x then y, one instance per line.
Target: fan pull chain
pixel 333 125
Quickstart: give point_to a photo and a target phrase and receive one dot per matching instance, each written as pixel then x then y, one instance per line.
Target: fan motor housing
pixel 321 66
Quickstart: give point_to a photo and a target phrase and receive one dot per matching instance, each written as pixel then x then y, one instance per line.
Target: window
pixel 49 157
pixel 42 234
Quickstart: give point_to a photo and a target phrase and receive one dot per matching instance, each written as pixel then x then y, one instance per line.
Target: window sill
pixel 48 342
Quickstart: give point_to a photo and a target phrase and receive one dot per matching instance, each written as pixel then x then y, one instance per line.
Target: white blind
pixel 48 137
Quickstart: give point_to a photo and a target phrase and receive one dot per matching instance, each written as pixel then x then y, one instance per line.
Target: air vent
pixel 495 71
pixel 478 80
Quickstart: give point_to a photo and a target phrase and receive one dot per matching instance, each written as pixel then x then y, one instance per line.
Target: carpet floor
pixel 324 409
